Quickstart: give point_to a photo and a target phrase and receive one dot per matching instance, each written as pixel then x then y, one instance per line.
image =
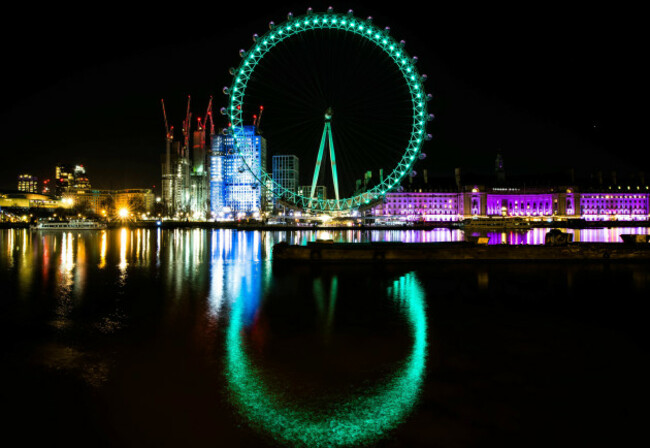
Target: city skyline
pixel 550 90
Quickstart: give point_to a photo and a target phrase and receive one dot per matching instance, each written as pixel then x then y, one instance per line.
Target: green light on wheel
pixel 400 57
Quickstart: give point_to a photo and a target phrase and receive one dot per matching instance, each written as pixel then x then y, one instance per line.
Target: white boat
pixel 495 223
pixel 73 224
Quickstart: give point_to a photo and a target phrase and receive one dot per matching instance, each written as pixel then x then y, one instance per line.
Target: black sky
pixel 550 85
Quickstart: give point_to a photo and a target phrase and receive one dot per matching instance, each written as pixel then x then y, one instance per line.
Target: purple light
pixel 448 207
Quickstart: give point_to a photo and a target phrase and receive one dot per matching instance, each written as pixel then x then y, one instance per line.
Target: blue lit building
pixel 234 189
pixel 285 171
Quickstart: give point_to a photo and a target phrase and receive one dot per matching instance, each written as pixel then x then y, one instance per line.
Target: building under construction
pixel 185 180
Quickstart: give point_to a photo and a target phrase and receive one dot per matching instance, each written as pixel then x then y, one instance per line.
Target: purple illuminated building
pixel 629 204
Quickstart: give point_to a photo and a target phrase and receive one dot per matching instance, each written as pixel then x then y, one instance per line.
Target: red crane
pixel 186 129
pixel 257 119
pixel 169 131
pixel 208 115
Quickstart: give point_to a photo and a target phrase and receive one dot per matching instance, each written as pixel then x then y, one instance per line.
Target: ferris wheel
pixel 410 116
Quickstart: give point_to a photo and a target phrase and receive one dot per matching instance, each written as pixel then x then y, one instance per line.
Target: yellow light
pixel 123 213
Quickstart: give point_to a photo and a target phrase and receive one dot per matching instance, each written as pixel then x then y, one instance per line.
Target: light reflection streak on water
pixel 158 237
pixel 10 247
pixel 123 248
pixel 326 309
pixel 138 242
pixel 358 420
pixel 102 250
pixel 25 261
pixel 81 268
pixel 65 278
pixel 45 271
pixel 235 271
pixel 217 275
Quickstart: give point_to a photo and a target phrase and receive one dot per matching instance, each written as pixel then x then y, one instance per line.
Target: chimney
pixel 426 176
pixel 457 175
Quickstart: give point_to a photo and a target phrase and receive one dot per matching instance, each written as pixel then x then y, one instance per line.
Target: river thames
pixel 195 338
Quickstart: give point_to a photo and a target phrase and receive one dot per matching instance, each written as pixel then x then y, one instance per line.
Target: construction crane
pixel 208 116
pixel 257 119
pixel 169 131
pixel 186 129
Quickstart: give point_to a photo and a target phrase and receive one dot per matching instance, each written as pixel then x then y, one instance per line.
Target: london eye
pixel 343 96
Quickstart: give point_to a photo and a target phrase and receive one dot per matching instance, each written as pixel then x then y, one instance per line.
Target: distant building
pixel 320 193
pixel 199 177
pixel 69 177
pixel 31 201
pixel 629 204
pixel 176 182
pixel 28 183
pixel 64 178
pixel 285 172
pixel 234 185
pixel 80 180
pixel 109 202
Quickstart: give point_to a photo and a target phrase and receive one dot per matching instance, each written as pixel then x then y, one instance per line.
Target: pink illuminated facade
pixel 431 206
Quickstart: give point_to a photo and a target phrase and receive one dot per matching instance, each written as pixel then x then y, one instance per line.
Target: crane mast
pixel 186 129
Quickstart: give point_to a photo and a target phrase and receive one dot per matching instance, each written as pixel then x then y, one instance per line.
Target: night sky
pixel 549 86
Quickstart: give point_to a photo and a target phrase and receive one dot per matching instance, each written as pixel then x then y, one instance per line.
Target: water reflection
pixel 359 418
pixel 236 271
pixel 138 314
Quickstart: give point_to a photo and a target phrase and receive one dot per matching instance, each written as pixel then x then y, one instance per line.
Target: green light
pixel 356 421
pixel 319 21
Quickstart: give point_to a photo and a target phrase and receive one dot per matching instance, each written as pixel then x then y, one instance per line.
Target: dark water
pixel 195 338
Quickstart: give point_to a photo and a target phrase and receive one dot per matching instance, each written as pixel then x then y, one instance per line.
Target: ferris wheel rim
pixel 361 27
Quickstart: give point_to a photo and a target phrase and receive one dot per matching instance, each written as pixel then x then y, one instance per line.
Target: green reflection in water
pixel 358 420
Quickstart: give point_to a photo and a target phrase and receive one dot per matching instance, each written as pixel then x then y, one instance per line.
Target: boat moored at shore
pixel 73 224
